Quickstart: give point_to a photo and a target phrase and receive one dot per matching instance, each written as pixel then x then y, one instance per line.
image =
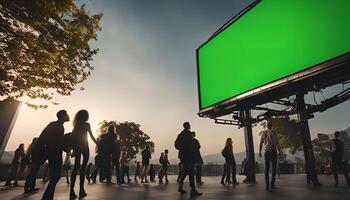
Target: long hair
pixel 81 117
pixel 228 143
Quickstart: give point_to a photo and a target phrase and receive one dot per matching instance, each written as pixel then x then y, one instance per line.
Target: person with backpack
pixel 146 156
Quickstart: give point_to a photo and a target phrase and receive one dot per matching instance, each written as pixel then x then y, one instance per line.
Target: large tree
pixel 131 138
pixel 44 47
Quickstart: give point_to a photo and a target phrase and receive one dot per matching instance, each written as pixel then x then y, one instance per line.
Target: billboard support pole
pixel 249 144
pixel 310 166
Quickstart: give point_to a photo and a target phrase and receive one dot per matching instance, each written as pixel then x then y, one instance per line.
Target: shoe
pixel 82 194
pixel 28 190
pixel 161 182
pixel 182 191
pixel 72 195
pixel 222 183
pixel 235 183
pixel 195 193
pixel 8 184
pixel 273 187
pixel 15 184
pixel 267 187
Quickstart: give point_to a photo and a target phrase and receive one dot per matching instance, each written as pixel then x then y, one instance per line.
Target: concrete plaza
pixel 291 187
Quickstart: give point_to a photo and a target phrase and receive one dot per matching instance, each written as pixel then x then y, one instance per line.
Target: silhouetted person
pixel 80 131
pixel 108 151
pixel 186 146
pixel 99 166
pixel 16 161
pixel 146 156
pixel 164 167
pixel 67 167
pixel 198 160
pixel 227 152
pixel 137 171
pixel 88 172
pixel 224 175
pixel 337 152
pixel 26 161
pixel 124 162
pixel 152 173
pixel 269 139
pixel 49 147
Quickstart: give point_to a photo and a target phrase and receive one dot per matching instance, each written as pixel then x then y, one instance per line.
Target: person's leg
pixel 166 174
pixel 334 170
pixel 55 166
pixel 85 155
pixel 267 168
pixel 117 172
pixel 31 177
pixel 127 174
pixel 194 192
pixel 145 173
pixel 67 175
pixel 234 168
pixel 184 171
pixel 274 170
pixel 76 167
pixel 343 168
pixel 12 174
pixel 228 172
pixel 19 174
pixel 223 175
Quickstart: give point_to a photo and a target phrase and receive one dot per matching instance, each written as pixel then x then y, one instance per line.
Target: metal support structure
pixel 249 144
pixel 310 166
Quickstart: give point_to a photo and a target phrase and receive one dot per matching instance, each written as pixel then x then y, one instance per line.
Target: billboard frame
pixel 232 103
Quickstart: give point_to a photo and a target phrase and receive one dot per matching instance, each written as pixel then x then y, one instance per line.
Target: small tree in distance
pixel 131 138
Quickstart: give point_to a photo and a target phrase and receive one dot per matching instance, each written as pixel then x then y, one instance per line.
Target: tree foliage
pixel 288 132
pixel 44 47
pixel 131 138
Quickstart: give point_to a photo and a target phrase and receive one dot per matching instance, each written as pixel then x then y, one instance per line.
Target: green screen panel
pixel 273 40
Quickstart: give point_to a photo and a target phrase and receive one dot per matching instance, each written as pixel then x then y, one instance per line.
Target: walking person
pixel 67 167
pixel 337 152
pixel 137 171
pixel 81 128
pixel 227 153
pixel 98 169
pixel 26 161
pixel 164 168
pixel 49 147
pixel 152 173
pixel 186 146
pixel 198 160
pixel 108 152
pixel 124 162
pixel 269 139
pixel 146 156
pixel 16 161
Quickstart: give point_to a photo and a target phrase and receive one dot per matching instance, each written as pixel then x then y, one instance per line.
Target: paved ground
pixel 291 187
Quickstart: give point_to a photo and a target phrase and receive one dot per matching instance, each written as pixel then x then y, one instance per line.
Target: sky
pixel 145 72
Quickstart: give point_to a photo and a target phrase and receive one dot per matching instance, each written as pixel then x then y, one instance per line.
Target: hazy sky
pixel 145 72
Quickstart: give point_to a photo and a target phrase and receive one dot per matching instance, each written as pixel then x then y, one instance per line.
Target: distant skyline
pixel 145 72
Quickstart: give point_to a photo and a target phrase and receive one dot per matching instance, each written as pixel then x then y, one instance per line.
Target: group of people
pixel 52 141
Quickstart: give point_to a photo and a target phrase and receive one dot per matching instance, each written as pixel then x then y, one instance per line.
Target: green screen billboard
pixel 270 40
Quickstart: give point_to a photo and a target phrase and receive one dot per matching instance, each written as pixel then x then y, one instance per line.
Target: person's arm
pixel 333 147
pixel 90 133
pixel 278 144
pixel 261 144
